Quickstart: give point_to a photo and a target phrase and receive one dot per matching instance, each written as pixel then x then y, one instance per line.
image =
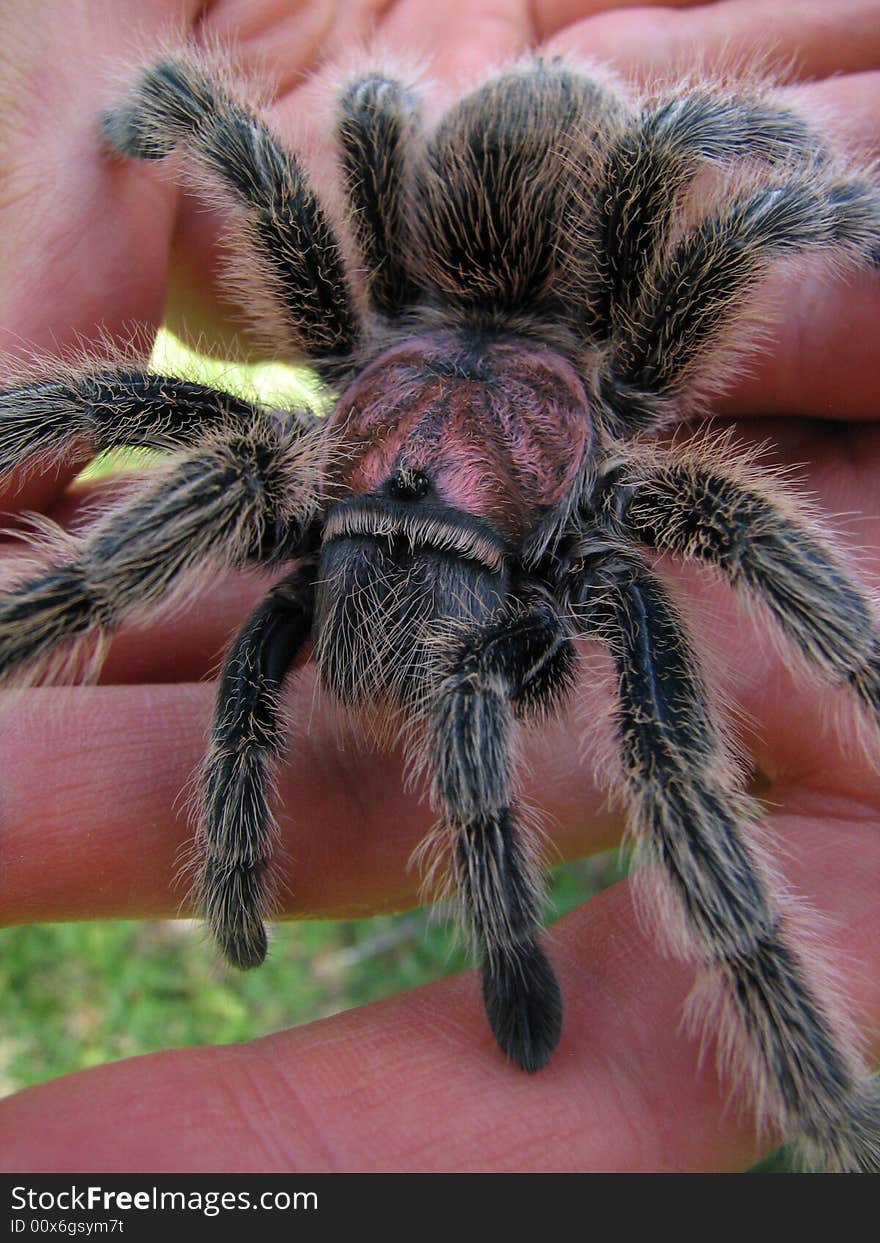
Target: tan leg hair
pixel 238 497
pixel 766 541
pixel 690 817
pixel 296 273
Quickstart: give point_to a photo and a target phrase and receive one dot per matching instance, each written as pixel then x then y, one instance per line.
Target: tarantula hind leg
pixel 377 121
pixel 280 225
pixel 675 325
pixel 637 184
pixel 507 667
pixel 688 813
pixel 236 828
pixel 242 496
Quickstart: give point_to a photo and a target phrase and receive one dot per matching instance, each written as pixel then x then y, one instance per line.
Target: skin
pixel 91 817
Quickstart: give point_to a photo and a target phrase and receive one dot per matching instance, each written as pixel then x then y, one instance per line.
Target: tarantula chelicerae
pixel 507 306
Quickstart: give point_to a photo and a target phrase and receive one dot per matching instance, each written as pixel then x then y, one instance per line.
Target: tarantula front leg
pixel 240 496
pixel 109 409
pixel 236 826
pixel 511 666
pixel 687 810
pixel 285 230
pixel 699 510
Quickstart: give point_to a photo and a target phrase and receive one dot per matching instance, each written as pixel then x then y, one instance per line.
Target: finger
pixel 805 40
pixel 459 36
pixel 116 758
pixel 459 39
pixel 83 238
pixel 416 1084
pixel 552 15
pixel 32 491
pixel 106 775
pixel 98 783
pixel 79 281
pixel 274 41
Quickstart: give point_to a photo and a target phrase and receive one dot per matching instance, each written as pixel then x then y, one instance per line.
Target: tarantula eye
pixel 408 485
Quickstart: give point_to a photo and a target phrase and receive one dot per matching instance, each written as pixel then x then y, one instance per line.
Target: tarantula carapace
pixel 507 304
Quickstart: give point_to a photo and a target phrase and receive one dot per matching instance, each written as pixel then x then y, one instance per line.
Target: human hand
pixel 623 1090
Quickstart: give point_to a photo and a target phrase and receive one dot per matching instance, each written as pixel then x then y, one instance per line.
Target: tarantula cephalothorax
pixel 506 305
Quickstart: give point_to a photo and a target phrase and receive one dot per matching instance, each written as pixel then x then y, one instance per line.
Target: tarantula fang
pixel 506 306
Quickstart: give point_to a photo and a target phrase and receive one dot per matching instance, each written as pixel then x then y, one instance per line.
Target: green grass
pixel 78 995
pixel 268 382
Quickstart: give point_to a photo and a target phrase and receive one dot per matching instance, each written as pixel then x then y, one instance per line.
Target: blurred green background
pixel 78 995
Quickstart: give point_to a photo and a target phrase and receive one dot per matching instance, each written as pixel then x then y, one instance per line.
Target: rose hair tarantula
pixel 507 305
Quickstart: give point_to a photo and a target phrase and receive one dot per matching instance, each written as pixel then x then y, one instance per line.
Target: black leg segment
pixel 637 188
pixel 110 410
pixel 687 810
pixel 693 290
pixel 378 123
pixel 758 539
pixel 236 499
pixel 527 662
pixel 237 829
pixel 175 102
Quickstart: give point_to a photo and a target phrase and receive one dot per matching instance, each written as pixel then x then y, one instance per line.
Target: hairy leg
pixel 671 341
pixel 688 812
pixel 514 665
pixel 764 543
pixel 241 496
pixel 635 188
pixel 110 409
pixel 284 228
pixel 236 829
pixel 377 129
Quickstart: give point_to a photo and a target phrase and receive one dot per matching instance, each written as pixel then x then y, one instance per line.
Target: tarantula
pixel 507 305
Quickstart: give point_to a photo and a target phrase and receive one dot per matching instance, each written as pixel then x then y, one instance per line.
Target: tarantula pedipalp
pixel 522 294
